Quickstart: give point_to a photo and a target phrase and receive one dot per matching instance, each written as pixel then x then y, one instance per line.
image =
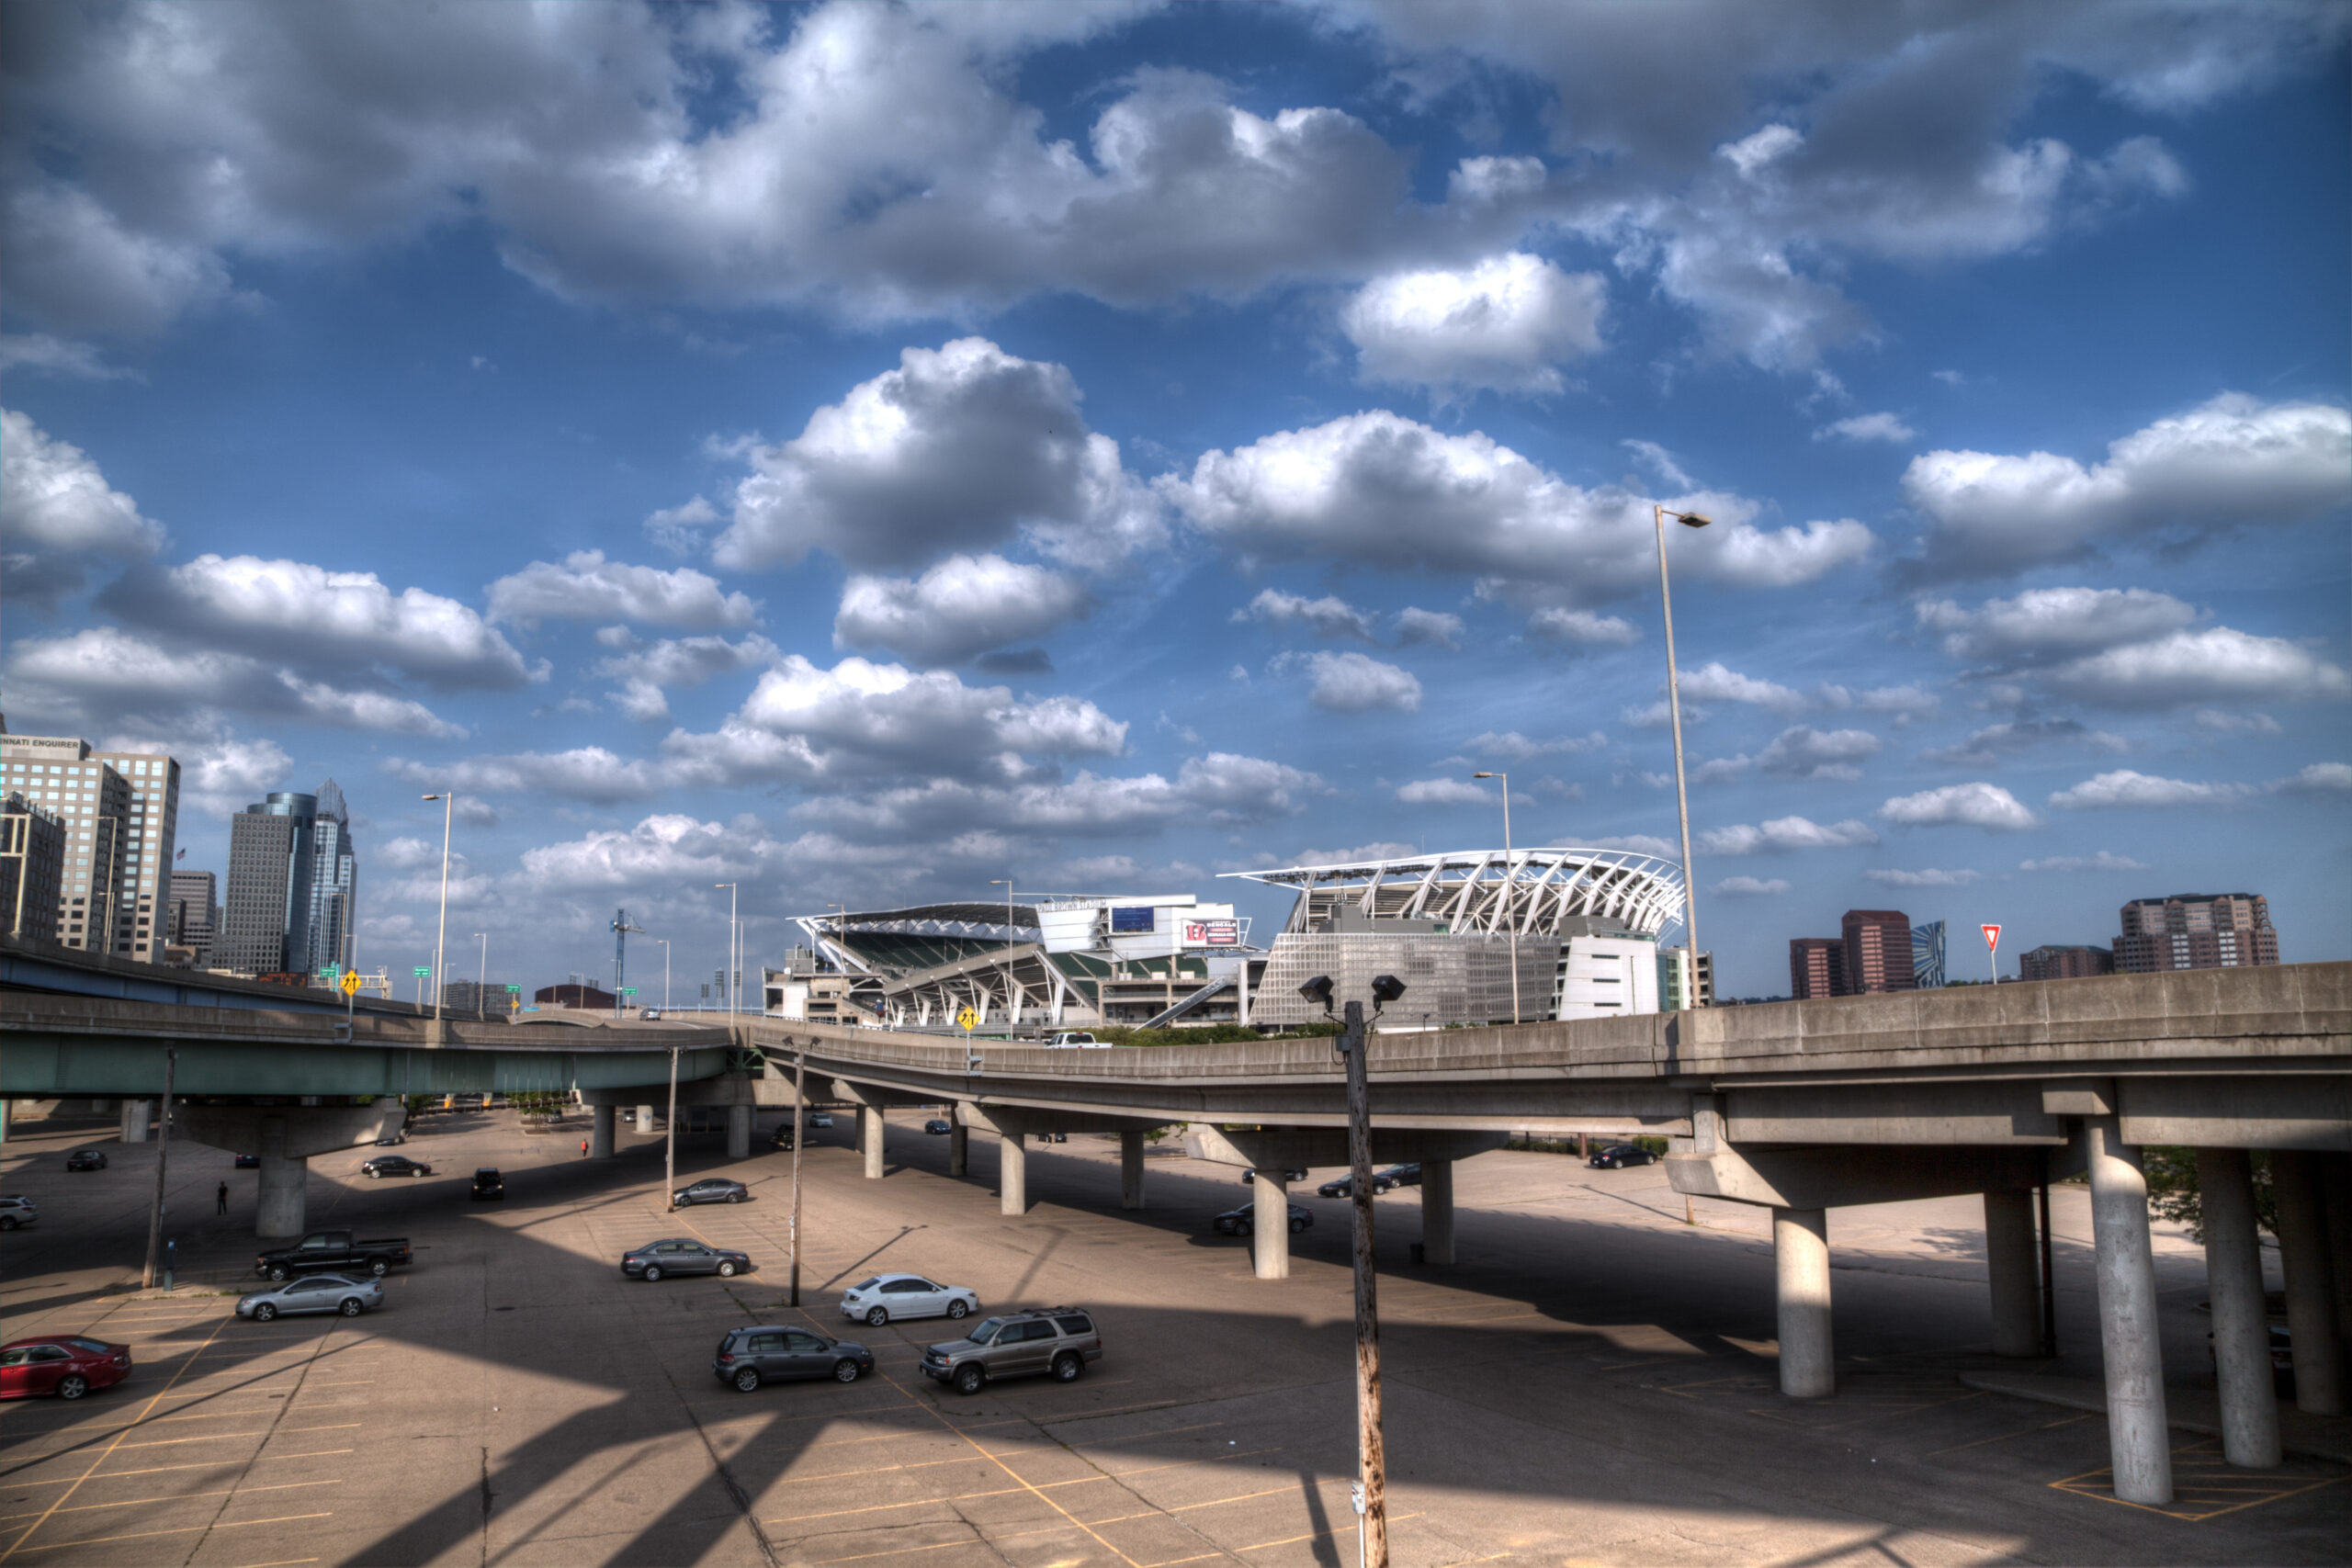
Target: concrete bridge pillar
pixel 601 1119
pixel 1011 1174
pixel 4 1121
pixel 2137 1438
pixel 136 1115
pixel 2296 1178
pixel 2012 1268
pixel 739 1132
pixel 645 1119
pixel 1801 1254
pixel 2241 1335
pixel 1270 1225
pixel 1437 1211
pixel 281 1184
pixel 869 1140
pixel 1131 1171
pixel 960 1150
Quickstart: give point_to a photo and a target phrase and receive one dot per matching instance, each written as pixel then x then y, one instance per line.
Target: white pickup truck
pixel 1074 1040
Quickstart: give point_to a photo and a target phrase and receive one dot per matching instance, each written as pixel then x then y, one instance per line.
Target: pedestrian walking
pixel 584 1149
pixel 220 1200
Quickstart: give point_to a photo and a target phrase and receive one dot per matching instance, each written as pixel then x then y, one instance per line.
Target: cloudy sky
pixel 864 451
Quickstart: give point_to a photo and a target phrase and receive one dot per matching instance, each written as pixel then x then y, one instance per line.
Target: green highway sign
pixel 327 971
pixel 629 990
pixel 514 990
pixel 423 970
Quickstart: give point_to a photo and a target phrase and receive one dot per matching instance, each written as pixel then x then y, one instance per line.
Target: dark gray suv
pixel 1056 1340
pixel 773 1352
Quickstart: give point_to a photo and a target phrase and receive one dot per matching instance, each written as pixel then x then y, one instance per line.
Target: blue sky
pixel 867 451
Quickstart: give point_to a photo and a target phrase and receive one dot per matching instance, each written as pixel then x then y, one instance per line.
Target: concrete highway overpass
pixel 1798 1107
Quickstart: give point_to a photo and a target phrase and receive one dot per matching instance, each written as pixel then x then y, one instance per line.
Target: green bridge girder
pixel 36 1064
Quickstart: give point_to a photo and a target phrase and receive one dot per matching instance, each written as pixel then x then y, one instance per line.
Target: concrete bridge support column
pixel 1131 1171
pixel 1801 1252
pixel 645 1119
pixel 739 1132
pixel 960 1150
pixel 869 1140
pixel 1270 1226
pixel 601 1119
pixel 2137 1441
pixel 136 1113
pixel 5 1104
pixel 2296 1178
pixel 2013 1268
pixel 1437 1211
pixel 2241 1338
pixel 1011 1174
pixel 280 1185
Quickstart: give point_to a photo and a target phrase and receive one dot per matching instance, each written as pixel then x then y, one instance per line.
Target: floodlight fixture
pixel 1385 988
pixel 1318 991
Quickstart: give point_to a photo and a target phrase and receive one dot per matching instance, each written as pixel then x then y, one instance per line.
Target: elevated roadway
pixel 1797 1107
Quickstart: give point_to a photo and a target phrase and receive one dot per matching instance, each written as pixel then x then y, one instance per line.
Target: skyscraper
pixel 2196 930
pixel 193 918
pixel 1878 951
pixel 265 917
pixel 120 811
pixel 32 861
pixel 334 882
pixel 1817 968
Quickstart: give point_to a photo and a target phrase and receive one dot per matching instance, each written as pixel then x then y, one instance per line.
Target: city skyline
pixel 1201 446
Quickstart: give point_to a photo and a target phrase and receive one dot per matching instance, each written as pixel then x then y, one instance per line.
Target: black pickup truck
pixel 337 1251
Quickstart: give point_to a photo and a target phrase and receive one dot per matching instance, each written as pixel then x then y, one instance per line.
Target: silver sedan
pixel 317 1292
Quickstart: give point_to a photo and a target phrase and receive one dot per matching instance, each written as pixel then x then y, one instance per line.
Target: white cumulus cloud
pixel 1354 683
pixel 1804 753
pixel 1975 805
pixel 961 607
pixel 1442 792
pixel 1885 427
pixel 587 586
pixel 1506 323
pixel 1329 617
pixel 1785 833
pixel 1930 878
pixel 1750 887
pixel 57 510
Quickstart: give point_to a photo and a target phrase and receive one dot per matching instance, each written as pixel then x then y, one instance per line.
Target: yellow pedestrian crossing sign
pixel 350 982
pixel 968 1020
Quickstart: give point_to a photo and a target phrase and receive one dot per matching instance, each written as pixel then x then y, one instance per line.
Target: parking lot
pixel 1591 1383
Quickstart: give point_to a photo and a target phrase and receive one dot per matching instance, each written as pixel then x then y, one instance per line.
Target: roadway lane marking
pixel 2204 1486
pixel 183 1497
pixel 17 1544
pixel 190 1530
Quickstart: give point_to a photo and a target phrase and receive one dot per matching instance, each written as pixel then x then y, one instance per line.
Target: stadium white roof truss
pixel 1536 891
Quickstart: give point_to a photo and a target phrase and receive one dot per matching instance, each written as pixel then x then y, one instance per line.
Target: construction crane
pixel 621 928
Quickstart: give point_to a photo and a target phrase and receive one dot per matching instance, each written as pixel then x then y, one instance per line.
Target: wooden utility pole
pixel 799 1077
pixel 163 1153
pixel 1372 1460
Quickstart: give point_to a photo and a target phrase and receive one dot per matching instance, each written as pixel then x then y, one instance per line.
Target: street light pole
pixel 665 971
pixel 481 986
pixel 441 938
pixel 1006 883
pixel 734 959
pixel 1511 882
pixel 1658 515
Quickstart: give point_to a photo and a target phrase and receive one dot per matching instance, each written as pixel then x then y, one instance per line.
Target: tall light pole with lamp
pixel 1658 515
pixel 1510 880
pixel 665 971
pixel 1011 1013
pixel 441 938
pixel 734 958
pixel 482 985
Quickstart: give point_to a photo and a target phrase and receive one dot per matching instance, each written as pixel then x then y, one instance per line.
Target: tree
pixel 2173 1195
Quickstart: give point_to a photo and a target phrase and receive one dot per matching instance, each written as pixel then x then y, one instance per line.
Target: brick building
pixel 1817 968
pixel 2057 963
pixel 2196 930
pixel 1877 952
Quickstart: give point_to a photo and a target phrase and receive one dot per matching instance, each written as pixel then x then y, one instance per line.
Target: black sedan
pixel 1399 1176
pixel 710 1189
pixel 1382 1180
pixel 1250 1177
pixel 772 1352
pixel 490 1187
pixel 939 1127
pixel 395 1165
pixel 248 1162
pixel 782 1140
pixel 1243 1221
pixel 656 1259
pixel 1616 1156
pixel 85 1159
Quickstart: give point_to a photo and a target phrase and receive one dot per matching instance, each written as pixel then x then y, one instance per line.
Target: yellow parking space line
pixel 1215 1503
pixel 901 1435
pixel 281 1563
pixel 977 1540
pixel 1180 1464
pixel 879 1470
pixel 2005 1437
pixel 185 1497
pixel 160 1469
pixel 1287 1541
pixel 886 1507
pixel 191 1529
pixel 1146 1436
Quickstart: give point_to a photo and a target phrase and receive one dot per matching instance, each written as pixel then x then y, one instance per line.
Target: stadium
pixel 1478 936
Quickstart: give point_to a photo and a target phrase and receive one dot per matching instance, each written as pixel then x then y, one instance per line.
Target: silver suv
pixel 1060 1340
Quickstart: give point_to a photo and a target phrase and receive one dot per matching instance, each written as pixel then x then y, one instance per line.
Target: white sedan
pixel 886 1296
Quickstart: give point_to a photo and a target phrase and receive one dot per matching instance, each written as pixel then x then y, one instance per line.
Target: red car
pixel 63 1364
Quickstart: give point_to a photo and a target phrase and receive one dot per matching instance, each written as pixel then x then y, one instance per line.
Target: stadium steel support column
pixel 2140 1450
pixel 1270 1225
